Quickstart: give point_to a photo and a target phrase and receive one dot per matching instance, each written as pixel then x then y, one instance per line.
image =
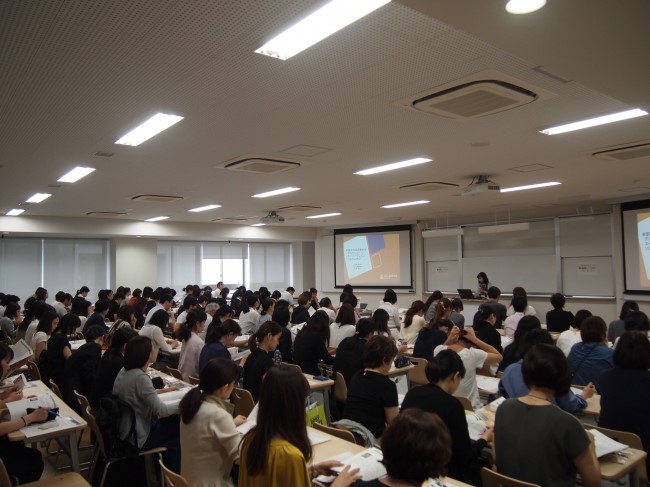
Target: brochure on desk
pixel 367 461
pixel 18 409
pixel 21 351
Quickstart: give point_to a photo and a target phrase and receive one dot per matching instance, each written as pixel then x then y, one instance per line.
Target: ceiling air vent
pixel 106 214
pixel 255 163
pixel 156 198
pixel 429 186
pixel 624 153
pixel 299 208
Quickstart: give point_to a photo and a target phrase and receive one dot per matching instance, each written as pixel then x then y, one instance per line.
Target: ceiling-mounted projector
pixel 272 217
pixel 480 184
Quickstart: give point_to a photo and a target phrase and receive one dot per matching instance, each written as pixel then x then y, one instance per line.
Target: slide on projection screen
pixel 636 236
pixel 373 257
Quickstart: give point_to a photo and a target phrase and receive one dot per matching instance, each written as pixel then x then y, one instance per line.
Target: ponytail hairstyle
pixel 416 307
pixel 219 330
pixel 215 374
pixel 267 327
pixel 441 308
pixel 193 318
pixel 266 304
pixel 443 365
pixel 249 303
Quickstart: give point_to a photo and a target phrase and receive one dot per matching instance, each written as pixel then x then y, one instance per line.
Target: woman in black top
pixel 444 373
pixel 514 352
pixel 349 354
pixel 557 319
pixel 484 321
pixel 301 312
pixel 82 366
pixel 310 346
pixel 281 316
pixel 262 344
pixel 110 364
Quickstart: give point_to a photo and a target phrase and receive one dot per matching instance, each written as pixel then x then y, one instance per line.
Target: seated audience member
pixel 218 341
pixel 165 303
pixel 519 304
pixel 637 321
pixel 114 305
pixel 343 327
pixel 484 327
pixel 430 305
pixel 521 293
pixel 281 316
pixel 326 305
pixel 591 357
pixel 23 463
pixel 28 327
pixel 310 346
pixel 125 319
pixel 353 301
pixel 416 450
pixel 501 312
pixel 82 366
pixel 98 317
pixel 380 318
pixel 61 303
pixel 47 323
pixel 562 450
pixel 456 317
pixel 52 363
pixel 313 293
pixel 430 336
pixel 570 337
pixel 445 372
pixel 249 315
pixel 300 313
pixel 276 451
pixel 268 307
pixel 349 354
pixel 138 311
pixel 137 292
pixel 82 292
pixel 512 382
pixel 617 327
pixel 188 364
pixel 189 303
pixel 223 296
pixel 413 322
pixel 372 396
pixel 262 344
pixel 474 353
pixel 154 330
pixel 389 303
pixel 348 290
pixel 625 389
pixel 209 440
pixel 156 424
pixel 223 314
pixel 110 365
pixel 513 352
pixel 558 320
pixel 11 320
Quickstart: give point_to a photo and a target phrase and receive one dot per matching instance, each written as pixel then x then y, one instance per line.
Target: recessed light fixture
pixel 324 215
pixel 275 192
pixel 149 128
pixel 393 166
pixel 76 174
pixel 204 208
pixel 530 186
pixel 15 212
pixel 258 225
pixel 408 203
pixel 524 6
pixel 324 22
pixel 38 197
pixel 593 122
pixel 156 218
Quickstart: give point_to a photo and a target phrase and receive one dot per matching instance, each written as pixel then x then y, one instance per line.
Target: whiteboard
pixel 535 273
pixel 442 276
pixel 586 235
pixel 588 276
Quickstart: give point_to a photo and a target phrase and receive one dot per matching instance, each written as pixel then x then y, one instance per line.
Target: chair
pixel 630 439
pixel 243 401
pixel 494 479
pixel 417 377
pixel 99 450
pixel 32 370
pixel 55 389
pixel 193 380
pixel 172 479
pixel 344 434
pixel 467 405
pixel 340 388
pixel 175 373
pixel 296 366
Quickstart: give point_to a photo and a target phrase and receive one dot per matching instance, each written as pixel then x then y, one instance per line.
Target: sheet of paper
pixel 367 461
pixel 173 398
pixel 490 384
pixel 605 445
pixel 18 409
pixel 21 351
pixel 240 355
pixel 316 438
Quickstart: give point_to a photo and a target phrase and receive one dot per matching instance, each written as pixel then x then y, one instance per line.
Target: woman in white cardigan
pixel 192 343
pixel 209 440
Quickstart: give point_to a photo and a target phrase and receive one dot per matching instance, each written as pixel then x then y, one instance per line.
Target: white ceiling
pixel 75 75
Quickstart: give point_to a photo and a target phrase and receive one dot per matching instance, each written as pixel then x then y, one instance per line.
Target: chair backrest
pixel 338 432
pixel 83 402
pixel 467 404
pixel 628 438
pixel 33 371
pixel 485 370
pixel 296 366
pixel 340 388
pixel 55 388
pixel 417 377
pixel 493 479
pixel 172 479
pixel 193 380
pixel 243 401
pixel 175 373
pixel 94 427
pixel 4 475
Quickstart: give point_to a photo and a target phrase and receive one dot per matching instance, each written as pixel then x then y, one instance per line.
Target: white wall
pixel 134 262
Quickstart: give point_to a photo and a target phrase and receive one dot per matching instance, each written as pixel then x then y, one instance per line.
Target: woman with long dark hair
pixel 413 322
pixel 217 342
pixel 262 344
pixel 310 346
pixel 188 332
pixel 343 327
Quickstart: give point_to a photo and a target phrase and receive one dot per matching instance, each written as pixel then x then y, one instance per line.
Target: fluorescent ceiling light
pixel 14 212
pixel 510 227
pixel 156 218
pixel 76 174
pixel 275 192
pixel 258 225
pixel 530 186
pixel 593 122
pixel 393 166
pixel 204 208
pixel 38 197
pixel 524 6
pixel 324 215
pixel 408 203
pixel 324 22
pixel 146 130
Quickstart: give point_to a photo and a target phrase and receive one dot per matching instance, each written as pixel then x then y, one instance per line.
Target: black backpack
pixel 110 414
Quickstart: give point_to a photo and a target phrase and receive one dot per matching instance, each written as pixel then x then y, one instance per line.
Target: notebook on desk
pixel 466 294
pixel 363 305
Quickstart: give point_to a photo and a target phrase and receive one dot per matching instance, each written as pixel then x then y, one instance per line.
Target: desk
pixel 612 470
pixel 593 406
pixel 71 479
pixel 68 424
pixel 75 344
pixel 394 374
pixel 320 389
